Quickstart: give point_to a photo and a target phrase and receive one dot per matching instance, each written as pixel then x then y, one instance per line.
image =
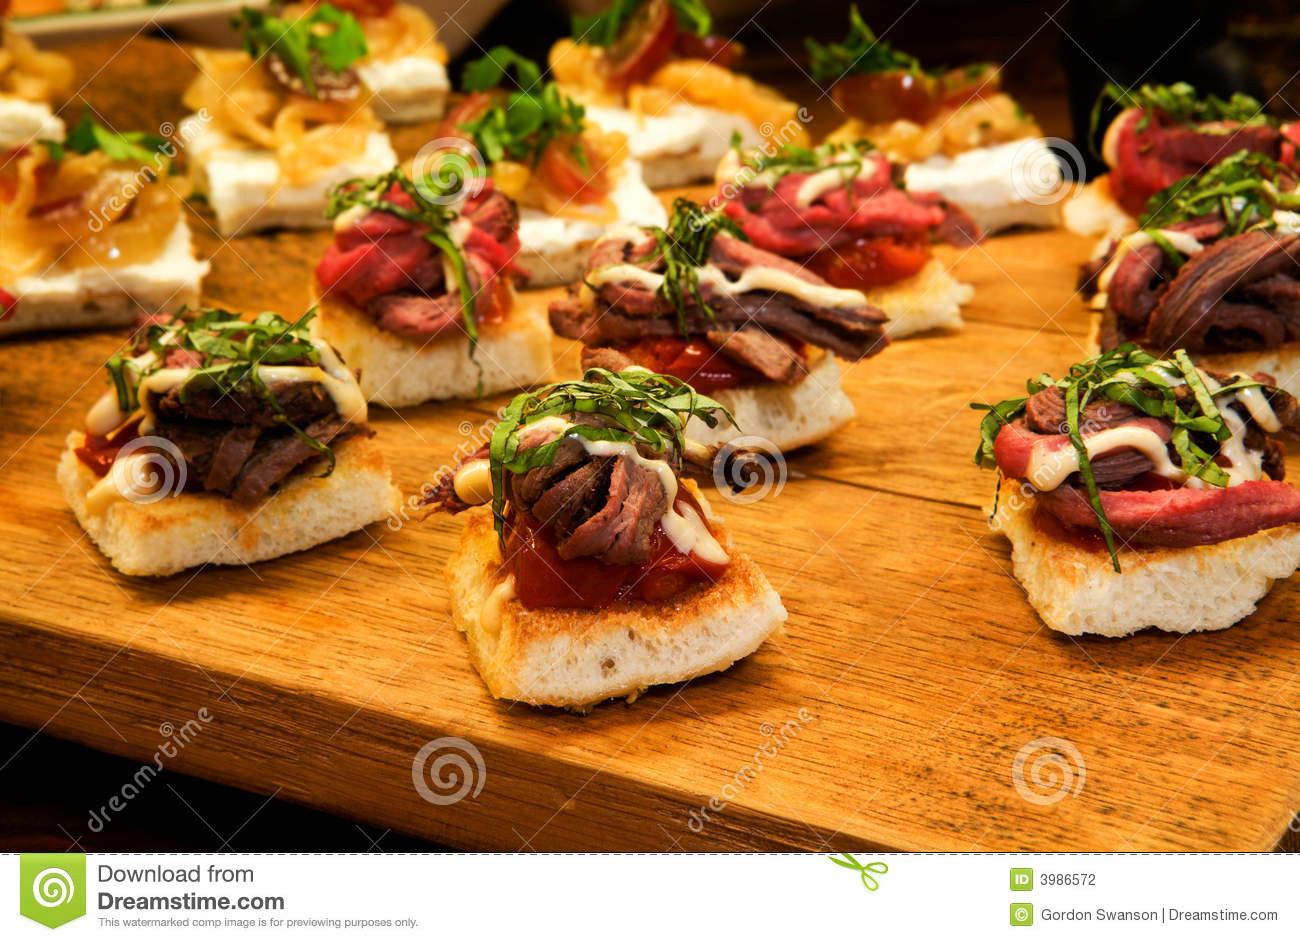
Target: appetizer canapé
pixel 1214 268
pixel 570 179
pixel 417 290
pixel 598 571
pixel 282 120
pixel 838 211
pixel 404 69
pixel 31 82
pixel 223 440
pixel 653 70
pixel 1144 492
pixel 699 302
pixel 94 231
pixel 959 134
pixel 1164 134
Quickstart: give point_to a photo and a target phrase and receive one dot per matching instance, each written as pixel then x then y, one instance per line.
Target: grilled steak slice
pixel 619 532
pixel 300 403
pixel 772 357
pixel 233 452
pixel 281 457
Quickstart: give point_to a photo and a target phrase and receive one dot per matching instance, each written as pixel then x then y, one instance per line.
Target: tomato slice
pixel 644 43
pixel 472 107
pixel 692 361
pixel 871 262
pixel 560 167
pixel 361 8
pixel 884 97
pixel 7 304
pixel 716 49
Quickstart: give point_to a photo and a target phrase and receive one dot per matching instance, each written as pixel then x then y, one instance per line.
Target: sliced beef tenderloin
pixel 233 451
pixel 619 532
pixel 283 454
pixel 300 403
pixel 1205 308
pixel 772 357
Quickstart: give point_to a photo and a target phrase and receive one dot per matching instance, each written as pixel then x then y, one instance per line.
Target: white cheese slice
pixel 1017 183
pixel 682 144
pixel 246 191
pixel 172 277
pixel 406 89
pixel 24 122
pixel 553 249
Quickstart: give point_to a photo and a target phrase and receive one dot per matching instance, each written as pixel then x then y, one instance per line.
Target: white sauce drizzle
pixel 490 614
pixel 758 278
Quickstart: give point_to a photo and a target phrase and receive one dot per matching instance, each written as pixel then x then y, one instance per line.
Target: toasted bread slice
pixel 575 658
pixel 177 531
pixel 1181 589
pixel 398 371
pixel 786 416
pixel 930 299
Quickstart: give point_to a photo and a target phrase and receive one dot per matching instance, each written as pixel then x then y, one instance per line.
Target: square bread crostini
pixel 597 571
pixel 270 132
pixel 224 441
pixel 1143 492
pixel 417 291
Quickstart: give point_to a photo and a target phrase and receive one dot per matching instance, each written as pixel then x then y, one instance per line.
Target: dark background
pixel 1056 57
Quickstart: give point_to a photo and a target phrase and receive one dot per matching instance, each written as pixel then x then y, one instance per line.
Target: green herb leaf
pixel 1179 102
pixel 645 409
pixel 520 126
pixel 861 53
pixel 1150 385
pixel 326 35
pixel 603 29
pixel 1243 188
pixel 89 135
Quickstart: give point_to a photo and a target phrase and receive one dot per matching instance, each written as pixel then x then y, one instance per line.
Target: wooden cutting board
pixel 889 715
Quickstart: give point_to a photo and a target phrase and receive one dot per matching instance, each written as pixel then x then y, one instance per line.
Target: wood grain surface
pixel 889 715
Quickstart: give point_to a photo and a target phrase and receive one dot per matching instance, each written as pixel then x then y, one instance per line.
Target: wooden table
pixel 888 716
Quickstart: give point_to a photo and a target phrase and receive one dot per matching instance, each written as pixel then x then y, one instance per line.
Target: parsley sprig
pixel 230 352
pixel 520 127
pixel 89 135
pixel 435 216
pixel 326 35
pixel 602 29
pixel 860 53
pixel 1150 385
pixel 1245 188
pixel 684 249
pixel 645 409
pixel 1181 103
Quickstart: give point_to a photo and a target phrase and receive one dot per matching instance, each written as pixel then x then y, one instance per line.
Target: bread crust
pixel 575 658
pixel 397 371
pixel 786 416
pixel 1178 589
pixel 928 300
pixel 191 529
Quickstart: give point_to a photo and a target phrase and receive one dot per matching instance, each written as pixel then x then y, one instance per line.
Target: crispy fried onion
pixel 308 136
pixel 980 122
pixel 28 73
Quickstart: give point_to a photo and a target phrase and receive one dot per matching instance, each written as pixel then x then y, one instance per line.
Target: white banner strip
pixel 631 897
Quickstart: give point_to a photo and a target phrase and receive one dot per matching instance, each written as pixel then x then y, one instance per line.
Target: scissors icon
pixel 864 870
